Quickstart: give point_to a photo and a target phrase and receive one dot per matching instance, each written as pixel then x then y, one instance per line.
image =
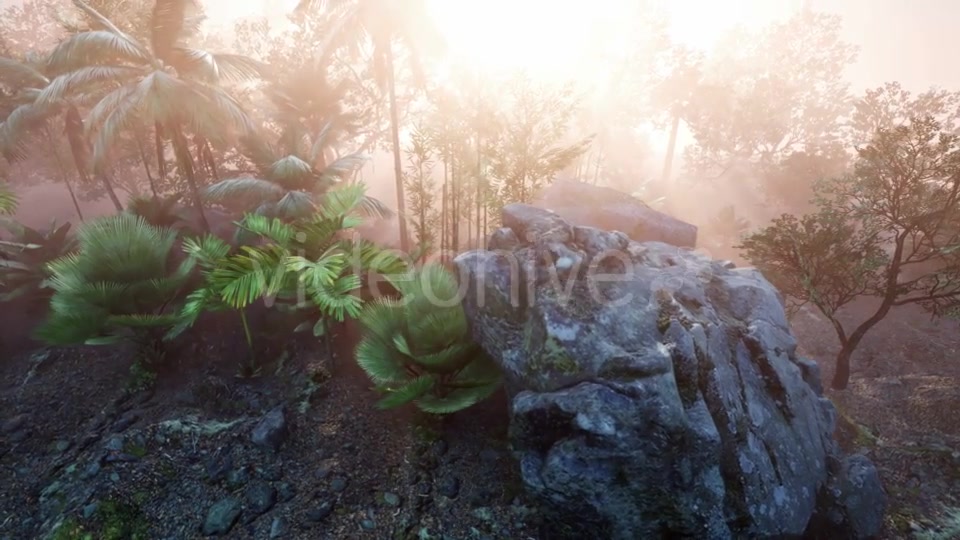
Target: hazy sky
pixel 910 41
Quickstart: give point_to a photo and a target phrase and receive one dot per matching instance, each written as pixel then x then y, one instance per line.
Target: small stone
pixel 114 477
pixel 222 516
pixel 279 527
pixel 92 470
pixel 271 431
pixel 115 443
pixel 219 467
pixel 238 477
pixel 449 487
pixel 320 512
pixel 322 473
pixel 61 446
pixel 90 509
pixel 338 484
pixel 260 497
pixel 391 499
pixel 286 492
pixel 368 524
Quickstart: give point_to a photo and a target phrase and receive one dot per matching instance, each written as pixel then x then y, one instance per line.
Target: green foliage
pixel 885 231
pixel 421 188
pixel 8 200
pixel 291 185
pixel 418 348
pixel 116 286
pixel 304 265
pixel 23 261
pixel 157 211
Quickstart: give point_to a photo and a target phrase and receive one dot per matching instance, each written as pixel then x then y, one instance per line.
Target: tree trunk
pixel 78 147
pixel 185 160
pixel 158 148
pixel 146 164
pixel 841 372
pixel 444 211
pixel 671 149
pixel 397 165
pixel 63 172
pixel 454 208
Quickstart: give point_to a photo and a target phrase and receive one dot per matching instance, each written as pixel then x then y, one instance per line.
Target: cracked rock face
pixel 657 393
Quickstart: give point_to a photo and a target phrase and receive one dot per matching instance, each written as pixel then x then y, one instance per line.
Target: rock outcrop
pixel 656 393
pixel 608 209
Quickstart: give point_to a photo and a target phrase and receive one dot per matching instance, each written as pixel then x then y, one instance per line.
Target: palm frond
pixel 249 191
pixel 218 67
pixel 296 205
pixel 96 47
pixel 8 200
pixel 249 275
pixel 345 166
pixel 72 82
pixel 407 392
pixel 207 250
pixel 274 229
pixel 16 74
pixel 290 170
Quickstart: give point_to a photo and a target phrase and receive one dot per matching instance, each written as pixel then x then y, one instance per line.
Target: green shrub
pixel 24 260
pixel 116 286
pixel 306 266
pixel 418 348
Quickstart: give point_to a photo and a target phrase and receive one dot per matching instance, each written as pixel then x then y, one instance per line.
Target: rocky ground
pixel 901 410
pixel 300 452
pixel 89 446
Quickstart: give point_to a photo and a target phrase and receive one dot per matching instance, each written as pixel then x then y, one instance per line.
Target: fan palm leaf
pixel 119 280
pixel 424 334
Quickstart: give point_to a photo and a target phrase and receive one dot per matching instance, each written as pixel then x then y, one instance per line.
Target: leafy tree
pixel 384 23
pixel 418 348
pixel 117 286
pixel 890 105
pixel 421 189
pixel 886 230
pixel 764 95
pixel 529 150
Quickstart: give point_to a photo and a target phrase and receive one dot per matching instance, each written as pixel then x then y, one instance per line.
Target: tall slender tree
pixel 382 24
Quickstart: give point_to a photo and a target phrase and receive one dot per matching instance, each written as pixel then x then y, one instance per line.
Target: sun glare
pixel 540 36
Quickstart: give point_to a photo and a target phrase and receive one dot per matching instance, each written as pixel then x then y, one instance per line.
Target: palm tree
pixel 290 182
pixel 383 22
pixel 21 115
pixel 165 84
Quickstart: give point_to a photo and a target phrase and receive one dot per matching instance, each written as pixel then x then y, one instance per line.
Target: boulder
pixel 656 393
pixel 612 210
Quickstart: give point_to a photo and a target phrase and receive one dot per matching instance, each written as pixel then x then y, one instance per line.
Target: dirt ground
pixel 346 470
pixel 900 408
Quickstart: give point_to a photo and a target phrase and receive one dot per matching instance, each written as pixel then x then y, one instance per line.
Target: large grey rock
pixel 608 209
pixel 657 393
